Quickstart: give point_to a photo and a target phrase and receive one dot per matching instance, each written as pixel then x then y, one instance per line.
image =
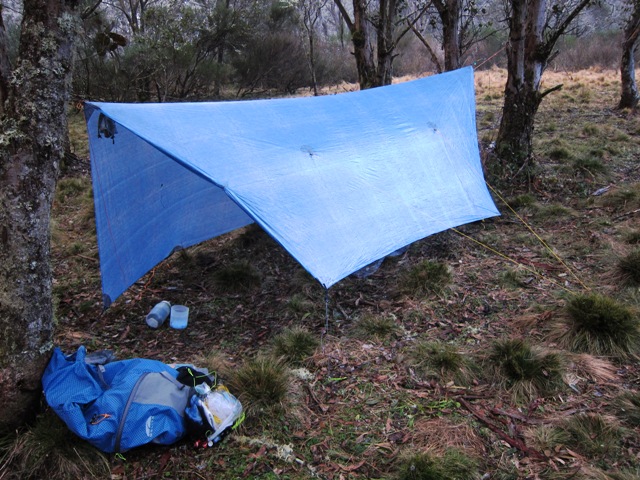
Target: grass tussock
pixel 629 268
pixel 595 369
pixel 295 345
pixel 522 201
pixel 592 434
pixel 598 325
pixel 427 277
pixel 374 326
pixel 524 371
pixel 511 278
pixel 48 450
pixel 547 438
pixel 454 464
pixel 632 237
pixel 590 165
pixel 262 384
pixel 627 407
pixel 300 305
pixel 552 212
pixel 622 199
pixel 237 277
pixel 441 361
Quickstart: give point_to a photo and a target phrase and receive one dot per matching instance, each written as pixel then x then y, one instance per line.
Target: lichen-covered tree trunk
pixel 33 130
pixel 629 89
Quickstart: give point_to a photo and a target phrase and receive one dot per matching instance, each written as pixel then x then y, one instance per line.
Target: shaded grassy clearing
pixel 413 361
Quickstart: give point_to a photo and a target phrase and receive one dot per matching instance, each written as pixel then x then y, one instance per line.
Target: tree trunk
pixel 386 44
pixel 629 90
pixel 370 73
pixel 529 48
pixel 34 126
pixel 361 37
pixel 521 97
pixel 5 66
pixel 449 12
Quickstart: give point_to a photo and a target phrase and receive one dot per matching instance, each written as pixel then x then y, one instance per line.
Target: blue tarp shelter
pixel 339 181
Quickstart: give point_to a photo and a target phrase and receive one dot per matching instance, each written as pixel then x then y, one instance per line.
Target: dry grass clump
pixel 583 366
pixel 624 198
pixel 629 268
pixel 425 278
pixel 295 345
pixel 598 325
pixel 526 372
pixel 447 432
pixel 48 450
pixel 454 464
pixel 546 438
pixel 439 360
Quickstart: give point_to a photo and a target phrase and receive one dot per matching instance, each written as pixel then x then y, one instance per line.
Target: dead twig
pixel 514 442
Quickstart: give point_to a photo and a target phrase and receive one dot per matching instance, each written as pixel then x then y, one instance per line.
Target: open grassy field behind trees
pixel 504 350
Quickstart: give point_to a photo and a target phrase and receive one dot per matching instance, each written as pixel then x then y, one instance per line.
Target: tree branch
pixel 551 90
pixel 345 15
pixel 434 57
pixel 559 31
pixel 514 442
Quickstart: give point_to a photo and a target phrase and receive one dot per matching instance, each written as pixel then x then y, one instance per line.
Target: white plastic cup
pixel 179 317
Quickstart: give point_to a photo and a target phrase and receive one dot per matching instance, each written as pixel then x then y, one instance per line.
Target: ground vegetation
pixel 464 379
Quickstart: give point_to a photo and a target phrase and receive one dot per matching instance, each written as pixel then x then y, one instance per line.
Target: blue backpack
pixel 119 405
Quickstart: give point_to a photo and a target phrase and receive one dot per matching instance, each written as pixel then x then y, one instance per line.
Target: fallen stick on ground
pixel 514 442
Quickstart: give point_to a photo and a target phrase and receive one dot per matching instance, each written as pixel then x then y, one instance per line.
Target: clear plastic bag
pixel 218 410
